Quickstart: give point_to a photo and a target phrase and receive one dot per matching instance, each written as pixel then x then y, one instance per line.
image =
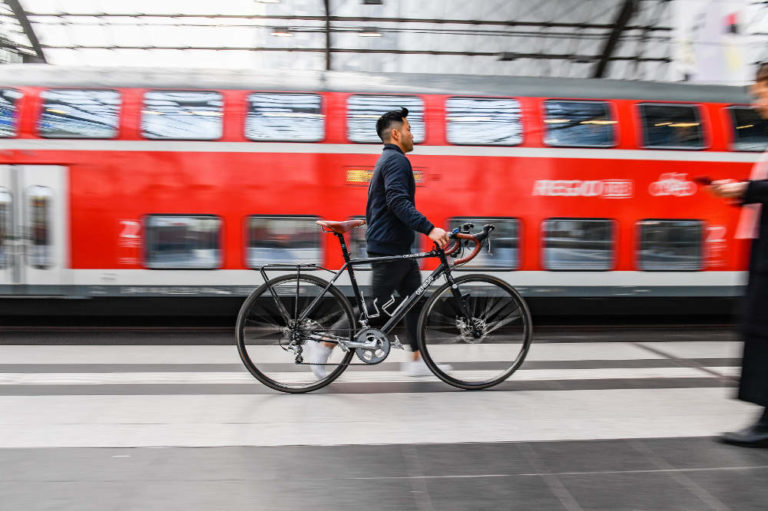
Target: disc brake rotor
pixel 466 333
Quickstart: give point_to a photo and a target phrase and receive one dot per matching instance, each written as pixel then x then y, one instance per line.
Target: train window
pixel 5 226
pixel 504 247
pixel 670 245
pixel 9 114
pixel 287 239
pixel 750 131
pixel 38 226
pixel 285 117
pixel 182 242
pixel 358 248
pixel 671 126
pixel 483 121
pixel 579 244
pixel 364 110
pixel 70 113
pixel 182 115
pixel 579 124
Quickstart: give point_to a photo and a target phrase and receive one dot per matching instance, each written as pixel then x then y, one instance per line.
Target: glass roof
pixel 502 37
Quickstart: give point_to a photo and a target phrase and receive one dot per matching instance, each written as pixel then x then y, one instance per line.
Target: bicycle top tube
pixel 458 234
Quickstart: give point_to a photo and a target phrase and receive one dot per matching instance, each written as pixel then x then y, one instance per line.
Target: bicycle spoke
pixel 263 330
pixel 496 335
pixel 501 323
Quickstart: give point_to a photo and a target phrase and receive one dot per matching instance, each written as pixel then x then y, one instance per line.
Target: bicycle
pixel 474 331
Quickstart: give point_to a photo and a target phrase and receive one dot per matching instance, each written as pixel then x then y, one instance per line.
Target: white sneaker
pixel 418 367
pixel 317 353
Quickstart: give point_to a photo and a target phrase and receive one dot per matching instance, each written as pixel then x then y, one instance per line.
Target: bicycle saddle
pixel 340 227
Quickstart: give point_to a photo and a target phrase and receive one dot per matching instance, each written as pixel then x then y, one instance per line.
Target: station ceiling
pixel 625 39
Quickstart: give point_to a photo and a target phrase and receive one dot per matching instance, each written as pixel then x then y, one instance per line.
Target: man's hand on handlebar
pixel 439 236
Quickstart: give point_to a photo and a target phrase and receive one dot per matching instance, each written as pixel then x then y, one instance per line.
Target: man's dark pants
pixel 403 276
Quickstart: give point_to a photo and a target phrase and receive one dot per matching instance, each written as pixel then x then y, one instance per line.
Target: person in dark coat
pixel 753 196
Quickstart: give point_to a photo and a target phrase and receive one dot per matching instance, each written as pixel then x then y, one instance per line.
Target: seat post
pixel 343 244
pixel 351 270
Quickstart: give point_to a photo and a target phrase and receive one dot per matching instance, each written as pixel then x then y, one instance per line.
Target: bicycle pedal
pixel 396 344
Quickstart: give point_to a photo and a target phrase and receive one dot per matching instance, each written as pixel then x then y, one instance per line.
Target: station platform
pixel 616 419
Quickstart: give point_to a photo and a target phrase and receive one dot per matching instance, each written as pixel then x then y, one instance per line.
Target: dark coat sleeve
pixel 396 190
pixel 757 191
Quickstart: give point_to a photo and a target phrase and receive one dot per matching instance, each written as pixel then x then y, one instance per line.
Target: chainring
pixel 379 349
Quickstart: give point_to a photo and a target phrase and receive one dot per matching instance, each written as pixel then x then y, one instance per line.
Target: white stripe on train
pixel 143 277
pixel 374 149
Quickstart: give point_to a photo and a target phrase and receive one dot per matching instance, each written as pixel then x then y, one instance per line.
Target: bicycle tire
pixel 259 310
pixel 445 338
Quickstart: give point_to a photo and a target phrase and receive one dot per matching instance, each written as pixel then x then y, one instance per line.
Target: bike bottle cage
pixel 389 303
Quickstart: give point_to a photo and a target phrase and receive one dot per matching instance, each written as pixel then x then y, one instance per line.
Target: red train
pixel 111 181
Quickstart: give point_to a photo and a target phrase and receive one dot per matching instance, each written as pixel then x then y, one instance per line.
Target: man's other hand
pixel 728 188
pixel 439 236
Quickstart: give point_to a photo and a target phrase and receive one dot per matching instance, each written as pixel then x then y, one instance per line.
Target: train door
pixel 34 243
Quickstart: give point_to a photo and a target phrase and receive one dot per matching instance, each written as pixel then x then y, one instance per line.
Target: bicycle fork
pixel 456 292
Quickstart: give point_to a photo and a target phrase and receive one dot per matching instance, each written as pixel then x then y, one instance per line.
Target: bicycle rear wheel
pixel 273 345
pixel 481 353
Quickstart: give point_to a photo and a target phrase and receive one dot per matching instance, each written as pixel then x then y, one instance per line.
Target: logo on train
pixel 672 184
pixel 604 188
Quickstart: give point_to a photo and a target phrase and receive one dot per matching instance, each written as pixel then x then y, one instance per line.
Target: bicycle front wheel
pixel 275 343
pixel 479 340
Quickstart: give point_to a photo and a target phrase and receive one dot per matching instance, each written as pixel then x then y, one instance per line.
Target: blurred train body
pixel 145 184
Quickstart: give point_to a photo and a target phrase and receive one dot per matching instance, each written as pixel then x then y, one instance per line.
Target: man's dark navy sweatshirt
pixel 391 212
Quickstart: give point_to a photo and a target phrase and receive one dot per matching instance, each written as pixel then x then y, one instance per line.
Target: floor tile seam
pixel 419 489
pixel 555 485
pixel 680 478
pixel 384 478
pixel 650 470
pixel 686 362
pixel 393 445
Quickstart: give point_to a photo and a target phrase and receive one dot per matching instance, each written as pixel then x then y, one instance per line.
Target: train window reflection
pixel 671 126
pixel 70 113
pixel 483 121
pixel 39 209
pixel 358 248
pixel 9 113
pixel 364 110
pixel 579 244
pixel 182 115
pixel 182 242
pixel 750 131
pixel 671 245
pixel 273 239
pixel 5 226
pixel 579 124
pixel 285 117
pixel 505 241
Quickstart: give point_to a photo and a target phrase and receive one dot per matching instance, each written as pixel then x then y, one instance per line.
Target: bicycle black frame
pixel 399 313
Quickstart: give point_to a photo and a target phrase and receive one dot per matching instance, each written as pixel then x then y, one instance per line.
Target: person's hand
pixel 439 236
pixel 728 188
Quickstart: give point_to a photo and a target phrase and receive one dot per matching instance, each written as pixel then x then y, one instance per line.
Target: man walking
pixel 392 218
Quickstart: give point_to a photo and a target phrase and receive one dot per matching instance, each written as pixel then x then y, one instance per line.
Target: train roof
pixel 391 83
